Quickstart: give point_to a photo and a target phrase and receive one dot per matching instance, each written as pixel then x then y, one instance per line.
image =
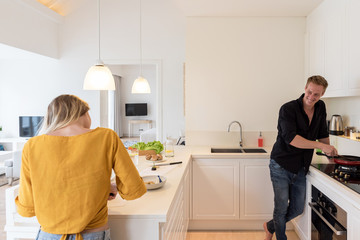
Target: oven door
pixel 324 226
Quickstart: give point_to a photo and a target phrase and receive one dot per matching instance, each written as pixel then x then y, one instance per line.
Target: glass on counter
pixel 169 148
pixel 134 155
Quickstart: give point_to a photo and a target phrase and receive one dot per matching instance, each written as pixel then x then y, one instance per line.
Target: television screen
pixel 29 125
pixel 136 109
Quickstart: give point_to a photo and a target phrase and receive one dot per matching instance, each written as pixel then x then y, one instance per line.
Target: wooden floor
pixel 234 235
pixel 198 235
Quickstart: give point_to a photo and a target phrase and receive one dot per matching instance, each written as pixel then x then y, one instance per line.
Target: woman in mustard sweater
pixel 65 174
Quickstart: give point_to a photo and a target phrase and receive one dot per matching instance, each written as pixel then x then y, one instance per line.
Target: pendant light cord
pixel 140 44
pixel 99 29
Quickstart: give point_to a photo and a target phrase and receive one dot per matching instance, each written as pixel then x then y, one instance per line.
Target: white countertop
pixel 341 190
pixel 156 203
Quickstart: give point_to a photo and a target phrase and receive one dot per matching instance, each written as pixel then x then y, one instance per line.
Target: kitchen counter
pixel 338 188
pixel 160 199
pixel 153 211
pixel 155 203
pixel 343 196
pixel 155 207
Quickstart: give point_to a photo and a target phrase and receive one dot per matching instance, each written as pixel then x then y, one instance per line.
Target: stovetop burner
pixel 347 175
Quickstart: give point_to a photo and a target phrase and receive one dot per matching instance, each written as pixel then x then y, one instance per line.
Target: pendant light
pixel 99 76
pixel 140 85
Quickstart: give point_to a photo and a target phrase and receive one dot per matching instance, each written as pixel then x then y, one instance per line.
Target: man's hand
pixel 113 192
pixel 329 150
pixel 322 144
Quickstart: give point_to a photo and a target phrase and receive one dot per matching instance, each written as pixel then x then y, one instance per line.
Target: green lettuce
pixel 155 145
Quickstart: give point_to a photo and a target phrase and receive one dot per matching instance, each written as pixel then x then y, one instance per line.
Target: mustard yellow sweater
pixel 65 181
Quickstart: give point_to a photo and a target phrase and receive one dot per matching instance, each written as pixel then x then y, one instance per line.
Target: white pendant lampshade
pixel 140 85
pixel 99 76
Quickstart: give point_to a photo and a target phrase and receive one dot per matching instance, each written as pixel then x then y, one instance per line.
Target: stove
pixel 347 175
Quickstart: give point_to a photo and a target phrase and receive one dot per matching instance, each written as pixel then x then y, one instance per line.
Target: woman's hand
pixel 113 192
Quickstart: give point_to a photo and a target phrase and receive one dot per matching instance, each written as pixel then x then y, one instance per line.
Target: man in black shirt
pixel 301 122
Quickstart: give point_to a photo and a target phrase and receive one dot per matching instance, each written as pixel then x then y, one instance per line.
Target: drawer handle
pixel 338 233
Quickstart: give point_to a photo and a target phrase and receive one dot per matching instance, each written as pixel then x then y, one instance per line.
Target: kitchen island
pixel 160 213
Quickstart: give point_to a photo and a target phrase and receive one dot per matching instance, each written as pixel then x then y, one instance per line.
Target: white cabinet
pixel 334 54
pixel 353 229
pixel 232 189
pixel 353 40
pixel 177 219
pixel 256 191
pixel 316 46
pixel 333 49
pixel 215 189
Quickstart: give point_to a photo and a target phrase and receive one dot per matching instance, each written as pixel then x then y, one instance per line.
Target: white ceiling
pixel 220 8
pixel 215 7
pixel 265 8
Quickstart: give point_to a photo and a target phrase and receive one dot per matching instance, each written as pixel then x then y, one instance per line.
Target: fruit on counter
pixel 155 145
pixel 154 157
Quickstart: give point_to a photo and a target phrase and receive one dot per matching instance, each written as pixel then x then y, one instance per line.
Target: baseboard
pixel 298 231
pixel 227 225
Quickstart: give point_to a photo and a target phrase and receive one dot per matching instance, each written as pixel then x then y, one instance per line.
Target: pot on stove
pixel 336 125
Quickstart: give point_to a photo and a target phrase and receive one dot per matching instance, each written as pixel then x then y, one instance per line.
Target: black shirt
pixel 294 121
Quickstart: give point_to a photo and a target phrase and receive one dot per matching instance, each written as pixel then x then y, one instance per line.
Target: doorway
pixel 128 71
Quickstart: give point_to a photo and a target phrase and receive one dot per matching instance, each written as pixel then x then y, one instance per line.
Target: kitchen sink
pixel 254 150
pixel 238 150
pixel 226 150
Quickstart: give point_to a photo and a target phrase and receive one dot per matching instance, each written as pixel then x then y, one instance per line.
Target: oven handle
pixel 325 221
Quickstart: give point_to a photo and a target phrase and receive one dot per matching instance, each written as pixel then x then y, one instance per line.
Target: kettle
pixel 336 125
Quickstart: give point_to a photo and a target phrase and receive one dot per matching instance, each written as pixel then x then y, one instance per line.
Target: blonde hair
pixel 62 111
pixel 318 80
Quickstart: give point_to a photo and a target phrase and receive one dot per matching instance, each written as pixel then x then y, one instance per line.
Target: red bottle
pixel 260 141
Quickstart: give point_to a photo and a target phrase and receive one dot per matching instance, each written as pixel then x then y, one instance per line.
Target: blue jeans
pixel 289 197
pixel 103 235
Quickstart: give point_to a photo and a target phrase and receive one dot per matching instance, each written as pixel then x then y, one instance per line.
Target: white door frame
pixel 159 94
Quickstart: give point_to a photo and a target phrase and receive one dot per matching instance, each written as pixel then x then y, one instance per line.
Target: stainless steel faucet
pixel 240 143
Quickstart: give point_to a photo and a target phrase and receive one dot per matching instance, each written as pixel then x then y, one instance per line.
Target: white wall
pixel 29 27
pixel 347 107
pixel 38 80
pixel 241 69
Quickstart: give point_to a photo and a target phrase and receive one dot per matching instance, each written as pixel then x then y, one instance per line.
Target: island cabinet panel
pixel 215 189
pixel 178 216
pixel 134 229
pixel 256 191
